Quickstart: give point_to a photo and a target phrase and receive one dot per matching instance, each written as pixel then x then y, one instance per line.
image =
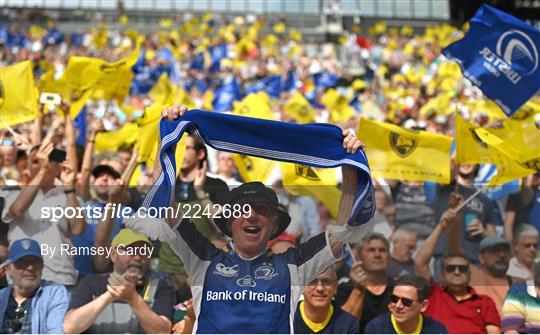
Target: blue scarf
pixel 318 145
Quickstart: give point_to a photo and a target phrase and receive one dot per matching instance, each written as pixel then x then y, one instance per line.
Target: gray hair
pixel 370 237
pixel 525 230
pixel 401 234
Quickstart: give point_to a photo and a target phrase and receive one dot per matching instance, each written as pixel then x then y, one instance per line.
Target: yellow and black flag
pixel 319 183
pixel 398 153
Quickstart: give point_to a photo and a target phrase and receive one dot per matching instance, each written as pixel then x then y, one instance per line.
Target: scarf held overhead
pixel 318 145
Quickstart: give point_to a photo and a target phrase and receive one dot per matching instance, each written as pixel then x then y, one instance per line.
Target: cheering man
pixel 250 289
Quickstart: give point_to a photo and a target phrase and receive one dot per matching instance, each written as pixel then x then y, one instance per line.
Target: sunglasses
pixel 17 322
pixel 323 281
pixel 405 301
pixel 452 268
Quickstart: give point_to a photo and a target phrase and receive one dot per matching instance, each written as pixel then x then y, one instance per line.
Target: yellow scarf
pixel 314 326
pixel 399 331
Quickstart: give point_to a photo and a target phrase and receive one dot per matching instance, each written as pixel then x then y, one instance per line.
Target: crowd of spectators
pixel 416 272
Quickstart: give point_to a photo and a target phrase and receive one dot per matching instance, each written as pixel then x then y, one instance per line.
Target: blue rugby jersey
pixel 235 295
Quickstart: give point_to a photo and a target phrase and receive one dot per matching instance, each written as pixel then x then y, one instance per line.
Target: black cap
pixel 254 192
pixel 105 169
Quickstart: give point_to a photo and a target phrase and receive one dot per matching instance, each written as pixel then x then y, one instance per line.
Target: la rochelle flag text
pixel 499 54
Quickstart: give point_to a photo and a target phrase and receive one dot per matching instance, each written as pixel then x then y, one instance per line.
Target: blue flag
pixel 80 123
pixel 271 85
pixel 225 95
pixel 325 80
pixel 289 84
pixel 217 53
pixel 53 36
pixel 499 54
pixel 198 62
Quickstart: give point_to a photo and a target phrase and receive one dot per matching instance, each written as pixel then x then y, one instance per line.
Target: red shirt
pixel 468 316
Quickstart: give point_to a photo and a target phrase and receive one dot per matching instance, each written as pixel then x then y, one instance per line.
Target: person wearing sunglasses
pixel 455 303
pixel 30 305
pixel 316 314
pixel 409 300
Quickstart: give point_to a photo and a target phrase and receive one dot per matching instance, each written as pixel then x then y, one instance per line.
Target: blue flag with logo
pixel 325 80
pixel 499 54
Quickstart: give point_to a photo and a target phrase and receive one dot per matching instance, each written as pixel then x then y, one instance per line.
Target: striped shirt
pixel 521 309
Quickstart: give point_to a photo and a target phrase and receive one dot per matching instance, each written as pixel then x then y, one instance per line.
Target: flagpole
pixel 13 132
pixel 464 203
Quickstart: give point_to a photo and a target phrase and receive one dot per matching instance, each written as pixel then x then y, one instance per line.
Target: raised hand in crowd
pixel 68 176
pixel 424 255
pixel 358 276
pixel 116 191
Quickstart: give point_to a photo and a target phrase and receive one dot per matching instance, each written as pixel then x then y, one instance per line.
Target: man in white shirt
pixel 29 214
pixel 525 247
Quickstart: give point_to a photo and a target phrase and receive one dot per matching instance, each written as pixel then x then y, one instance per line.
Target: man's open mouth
pixel 252 229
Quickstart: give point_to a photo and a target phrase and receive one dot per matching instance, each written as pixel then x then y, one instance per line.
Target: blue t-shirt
pixel 383 325
pixel 236 295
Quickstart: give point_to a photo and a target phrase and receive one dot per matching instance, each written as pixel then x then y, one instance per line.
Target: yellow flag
pixel 166 93
pixel 507 167
pixel 137 173
pixel 148 138
pixel 113 79
pixel 116 77
pixel 295 34
pixel 18 95
pixel 166 23
pixel 124 20
pixel 469 147
pixel 398 153
pixel 299 108
pixel 162 90
pixel 78 100
pixel 338 105
pixel 36 32
pixel 379 28
pixel 113 140
pixel 254 168
pixel 279 28
pixel 319 183
pixel 148 132
pixel 439 105
pixel 407 31
pixel 100 36
pixel 255 105
pixel 517 139
pixel 527 111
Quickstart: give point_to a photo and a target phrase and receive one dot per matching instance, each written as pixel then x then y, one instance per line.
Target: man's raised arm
pixel 352 144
